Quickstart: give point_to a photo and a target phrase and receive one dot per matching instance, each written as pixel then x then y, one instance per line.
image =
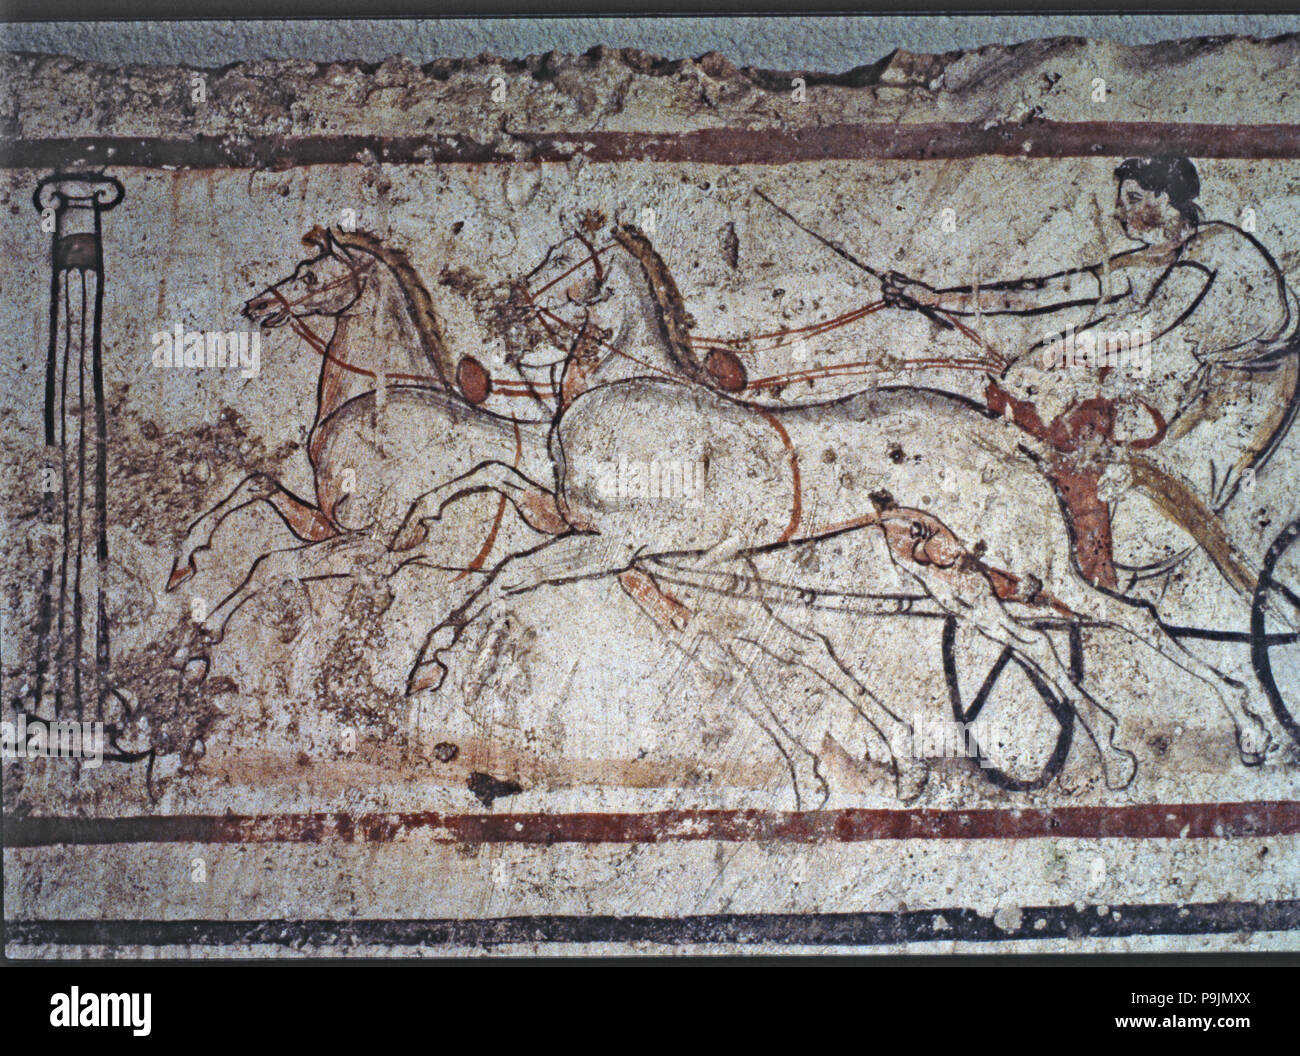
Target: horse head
pixel 327 284
pixel 617 289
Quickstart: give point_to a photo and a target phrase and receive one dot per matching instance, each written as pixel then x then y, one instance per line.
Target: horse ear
pixel 336 247
pixel 317 238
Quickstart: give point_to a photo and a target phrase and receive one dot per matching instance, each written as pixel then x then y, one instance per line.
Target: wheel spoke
pixel 977 705
pixel 1281 698
pixel 1292 596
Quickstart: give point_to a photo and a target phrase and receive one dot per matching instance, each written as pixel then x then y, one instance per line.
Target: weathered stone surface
pixel 732 391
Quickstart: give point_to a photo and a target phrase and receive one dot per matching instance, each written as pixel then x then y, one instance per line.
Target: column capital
pixel 85 190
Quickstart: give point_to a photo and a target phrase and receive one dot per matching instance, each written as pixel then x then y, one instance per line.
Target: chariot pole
pixel 72 629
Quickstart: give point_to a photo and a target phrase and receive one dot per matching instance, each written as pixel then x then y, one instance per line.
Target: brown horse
pixel 389 416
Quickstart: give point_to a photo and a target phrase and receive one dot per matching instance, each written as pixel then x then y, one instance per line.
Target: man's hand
pixel 898 291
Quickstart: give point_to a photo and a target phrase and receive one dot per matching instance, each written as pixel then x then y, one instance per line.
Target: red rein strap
pixel 309 335
pixel 814 329
pixel 527 389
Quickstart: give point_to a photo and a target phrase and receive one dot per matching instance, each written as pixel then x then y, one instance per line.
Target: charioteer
pixel 1209 299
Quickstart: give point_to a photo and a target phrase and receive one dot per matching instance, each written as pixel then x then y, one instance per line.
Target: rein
pixel 739 345
pixel 300 327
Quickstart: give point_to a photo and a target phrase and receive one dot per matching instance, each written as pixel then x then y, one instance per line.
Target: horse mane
pixel 722 369
pixel 408 279
pixel 670 309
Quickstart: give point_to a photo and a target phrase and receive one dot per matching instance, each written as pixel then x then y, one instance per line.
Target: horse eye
pixel 309 277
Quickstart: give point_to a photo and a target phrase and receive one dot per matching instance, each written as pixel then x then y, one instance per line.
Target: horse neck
pixel 670 319
pixel 637 318
pixel 375 343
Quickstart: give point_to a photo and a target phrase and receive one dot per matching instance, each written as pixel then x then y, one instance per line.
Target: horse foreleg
pixel 304 520
pixel 333 557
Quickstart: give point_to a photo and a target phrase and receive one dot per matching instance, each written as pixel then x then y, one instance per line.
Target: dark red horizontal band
pixel 1147 821
pixel 712 146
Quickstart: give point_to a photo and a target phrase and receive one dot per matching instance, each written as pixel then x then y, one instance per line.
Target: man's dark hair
pixel 1171 174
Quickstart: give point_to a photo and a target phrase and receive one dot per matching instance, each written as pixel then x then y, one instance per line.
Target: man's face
pixel 1142 213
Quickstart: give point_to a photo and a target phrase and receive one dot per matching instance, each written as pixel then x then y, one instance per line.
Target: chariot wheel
pixel 1000 682
pixel 1275 645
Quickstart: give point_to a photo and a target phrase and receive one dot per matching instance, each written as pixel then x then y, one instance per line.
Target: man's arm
pixel 1175 297
pixel 1079 287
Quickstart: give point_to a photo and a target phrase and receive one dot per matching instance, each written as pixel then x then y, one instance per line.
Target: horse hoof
pixel 180 573
pixel 1252 748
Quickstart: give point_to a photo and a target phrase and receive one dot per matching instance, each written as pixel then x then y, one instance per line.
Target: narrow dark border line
pixel 1260 818
pixel 778 929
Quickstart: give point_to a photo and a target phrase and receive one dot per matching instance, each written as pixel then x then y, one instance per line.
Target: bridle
pixel 356 273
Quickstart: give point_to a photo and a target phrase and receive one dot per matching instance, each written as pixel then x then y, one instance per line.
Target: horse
pixel 388 414
pixel 401 434
pixel 395 400
pixel 398 405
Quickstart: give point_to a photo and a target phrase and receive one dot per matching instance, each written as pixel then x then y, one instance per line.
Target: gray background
pixel 832 44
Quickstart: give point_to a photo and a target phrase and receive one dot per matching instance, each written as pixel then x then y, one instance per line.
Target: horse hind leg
pixel 561 559
pixel 535 504
pixel 854 707
pixel 857 708
pixel 802 763
pixel 962 590
pixel 304 520
pixel 673 618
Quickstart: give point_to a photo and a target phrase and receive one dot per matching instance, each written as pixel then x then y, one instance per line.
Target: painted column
pixel 73 632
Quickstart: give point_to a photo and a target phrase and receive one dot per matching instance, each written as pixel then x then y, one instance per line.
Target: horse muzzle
pixel 266 311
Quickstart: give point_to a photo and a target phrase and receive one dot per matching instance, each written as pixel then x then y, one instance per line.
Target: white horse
pixel 775 479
